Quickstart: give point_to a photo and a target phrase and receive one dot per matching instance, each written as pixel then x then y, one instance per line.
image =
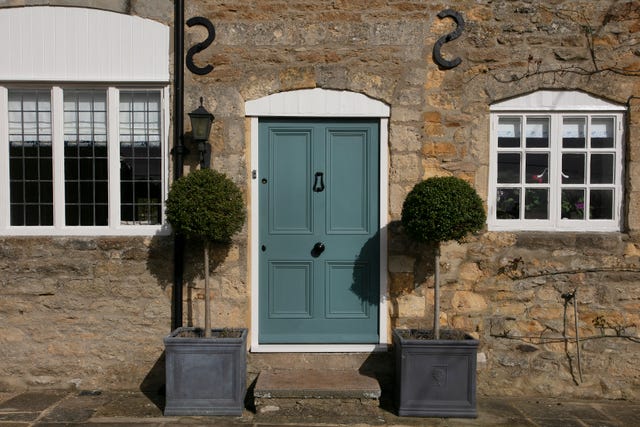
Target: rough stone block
pixel 401 264
pixel 469 272
pixel 468 302
pixel 410 306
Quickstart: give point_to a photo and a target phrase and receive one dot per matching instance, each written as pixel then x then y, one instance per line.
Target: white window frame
pixel 114 228
pixel 557 105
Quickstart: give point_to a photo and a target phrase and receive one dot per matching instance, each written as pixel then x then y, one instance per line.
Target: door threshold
pixel 318 348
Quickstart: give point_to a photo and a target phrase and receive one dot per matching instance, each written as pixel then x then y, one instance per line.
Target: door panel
pixel 318 232
pixel 290 290
pixel 349 180
pixel 347 287
pixel 289 192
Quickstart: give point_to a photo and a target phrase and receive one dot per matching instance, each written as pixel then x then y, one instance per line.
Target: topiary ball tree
pixel 437 210
pixel 208 206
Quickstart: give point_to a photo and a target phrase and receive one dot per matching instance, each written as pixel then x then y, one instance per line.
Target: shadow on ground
pixel 153 385
pixel 379 365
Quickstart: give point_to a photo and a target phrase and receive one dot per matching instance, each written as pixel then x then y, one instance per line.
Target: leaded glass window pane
pixel 140 157
pixel 85 157
pixel 509 132
pixel 536 203
pixel 574 132
pixel 573 168
pixel 30 158
pixel 572 204
pixel 537 168
pixel 601 204
pixel 602 168
pixel 508 203
pixel 508 168
pixel 537 132
pixel 602 132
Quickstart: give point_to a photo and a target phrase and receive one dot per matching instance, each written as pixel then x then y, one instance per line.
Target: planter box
pixel 205 376
pixel 435 378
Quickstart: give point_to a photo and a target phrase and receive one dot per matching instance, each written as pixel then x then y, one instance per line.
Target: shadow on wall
pixel 365 283
pixel 160 265
pixel 402 279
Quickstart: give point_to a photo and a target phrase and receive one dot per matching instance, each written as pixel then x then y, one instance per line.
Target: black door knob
pixel 318 248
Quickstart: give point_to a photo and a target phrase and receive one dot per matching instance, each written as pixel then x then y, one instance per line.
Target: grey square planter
pixel 205 376
pixel 435 378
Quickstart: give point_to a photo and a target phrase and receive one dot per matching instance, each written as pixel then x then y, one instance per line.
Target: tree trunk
pixel 207 301
pixel 436 295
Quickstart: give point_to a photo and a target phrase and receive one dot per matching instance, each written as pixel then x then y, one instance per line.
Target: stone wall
pixel 82 312
pixel 506 287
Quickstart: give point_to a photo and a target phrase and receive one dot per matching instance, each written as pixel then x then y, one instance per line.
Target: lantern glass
pixel 201 121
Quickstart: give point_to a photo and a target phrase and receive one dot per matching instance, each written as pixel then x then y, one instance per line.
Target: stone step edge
pixel 315 384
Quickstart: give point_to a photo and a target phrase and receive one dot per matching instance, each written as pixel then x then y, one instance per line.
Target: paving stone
pixel 125 423
pixel 36 401
pixel 128 404
pixel 18 416
pixel 6 395
pixel 554 409
pixel 621 412
pixel 28 406
pixel 546 422
pixel 75 409
pixel 497 413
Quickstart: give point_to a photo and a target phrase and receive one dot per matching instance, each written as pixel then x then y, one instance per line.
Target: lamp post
pixel 201 121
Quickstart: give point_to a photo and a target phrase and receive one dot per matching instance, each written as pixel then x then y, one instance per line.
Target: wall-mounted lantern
pixel 201 121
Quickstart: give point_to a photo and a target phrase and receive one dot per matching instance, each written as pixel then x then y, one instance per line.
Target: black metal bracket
pixel 568 296
pixel 180 150
pixel 437 56
pixel 204 148
pixel 199 47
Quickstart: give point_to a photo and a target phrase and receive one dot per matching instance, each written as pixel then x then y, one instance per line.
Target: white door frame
pixel 317 103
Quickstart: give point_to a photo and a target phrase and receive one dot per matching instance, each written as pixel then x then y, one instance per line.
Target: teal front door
pixel 319 243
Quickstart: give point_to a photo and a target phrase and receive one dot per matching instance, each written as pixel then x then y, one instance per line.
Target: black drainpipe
pixel 178 151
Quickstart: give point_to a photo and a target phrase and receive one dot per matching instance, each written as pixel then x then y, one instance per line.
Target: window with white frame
pixel 82 160
pixel 556 163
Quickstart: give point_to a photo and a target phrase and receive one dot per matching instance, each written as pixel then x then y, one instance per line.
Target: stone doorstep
pixel 304 384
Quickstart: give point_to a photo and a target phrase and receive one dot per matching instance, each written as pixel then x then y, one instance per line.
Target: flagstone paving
pixel 54 408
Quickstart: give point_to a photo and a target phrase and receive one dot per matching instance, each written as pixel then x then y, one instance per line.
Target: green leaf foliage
pixel 439 209
pixel 206 204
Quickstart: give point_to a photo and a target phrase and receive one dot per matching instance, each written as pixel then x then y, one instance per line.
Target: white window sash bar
pixel 165 114
pixel 4 158
pixel 57 143
pixel 113 147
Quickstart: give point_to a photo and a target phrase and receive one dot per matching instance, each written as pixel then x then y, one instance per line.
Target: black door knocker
pixel 318 188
